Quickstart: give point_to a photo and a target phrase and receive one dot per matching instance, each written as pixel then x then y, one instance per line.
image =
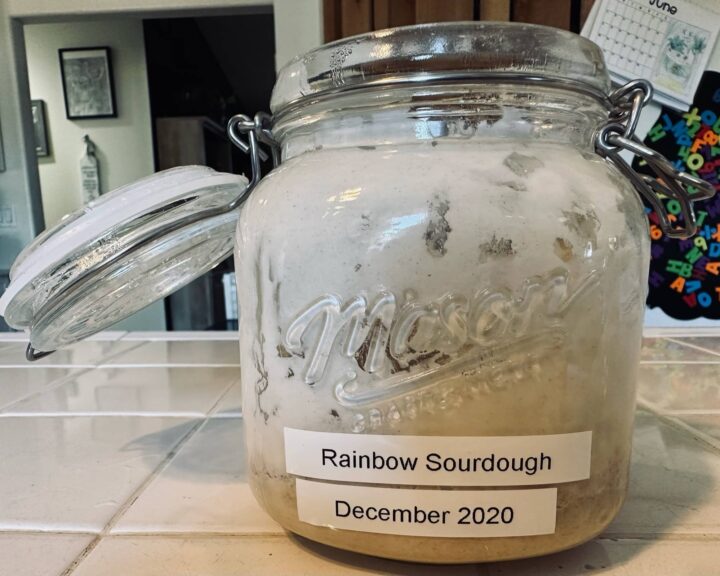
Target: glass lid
pixel 119 253
pixel 442 52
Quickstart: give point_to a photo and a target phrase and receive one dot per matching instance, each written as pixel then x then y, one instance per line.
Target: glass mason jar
pixel 442 290
pixel 441 287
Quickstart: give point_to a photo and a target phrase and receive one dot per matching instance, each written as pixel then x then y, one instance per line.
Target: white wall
pixel 19 187
pixel 124 144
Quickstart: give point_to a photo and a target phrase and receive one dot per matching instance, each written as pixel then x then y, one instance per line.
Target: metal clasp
pixel 618 134
pixel 258 130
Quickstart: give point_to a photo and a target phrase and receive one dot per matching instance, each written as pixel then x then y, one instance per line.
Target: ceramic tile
pixel 39 554
pixel 709 343
pixel 238 556
pixel 230 404
pixel 73 474
pixel 680 386
pixel 621 558
pixel 664 350
pixel 82 354
pixel 155 390
pixel 17 383
pixel 173 335
pixel 674 484
pixel 181 353
pixel 204 489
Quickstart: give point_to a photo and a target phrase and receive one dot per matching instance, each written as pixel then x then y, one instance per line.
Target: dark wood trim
pixel 443 10
pixel 342 18
pixel 554 13
pixel 498 10
pixel 356 17
pixel 585 7
pixel 331 20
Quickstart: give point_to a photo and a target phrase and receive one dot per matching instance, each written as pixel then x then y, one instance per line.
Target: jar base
pixel 430 556
pixel 425 550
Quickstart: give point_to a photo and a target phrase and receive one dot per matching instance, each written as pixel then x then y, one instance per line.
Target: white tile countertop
pixel 123 456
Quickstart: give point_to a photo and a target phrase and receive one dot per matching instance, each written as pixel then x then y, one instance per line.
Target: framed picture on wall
pixel 39 127
pixel 87 83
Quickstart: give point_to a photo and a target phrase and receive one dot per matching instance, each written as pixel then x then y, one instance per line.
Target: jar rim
pixel 443 53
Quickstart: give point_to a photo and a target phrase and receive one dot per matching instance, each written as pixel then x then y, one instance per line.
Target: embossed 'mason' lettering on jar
pixel 384 332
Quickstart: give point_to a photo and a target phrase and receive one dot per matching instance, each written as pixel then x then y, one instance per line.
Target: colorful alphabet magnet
pixel 685 274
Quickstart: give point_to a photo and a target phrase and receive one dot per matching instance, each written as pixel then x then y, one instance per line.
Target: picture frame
pixel 42 148
pixel 87 79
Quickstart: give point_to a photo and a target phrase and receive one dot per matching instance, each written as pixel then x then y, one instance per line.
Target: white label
pixel 439 460
pixel 436 513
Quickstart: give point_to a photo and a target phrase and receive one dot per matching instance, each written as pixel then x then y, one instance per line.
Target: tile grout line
pixel 48 388
pixel 37 532
pixel 205 535
pixel 279 533
pixel 99 414
pixel 664 332
pixel 55 384
pixel 695 346
pixel 84 366
pixel 213 413
pixel 205 418
pixel 226 415
pixel 656 536
pixel 103 360
pixel 162 466
pixel 182 336
pixel 698 412
pixel 690 362
pixel 710 443
pixel 85 369
pixel 661 536
pixel 132 499
pixel 165 365
pixel 35 366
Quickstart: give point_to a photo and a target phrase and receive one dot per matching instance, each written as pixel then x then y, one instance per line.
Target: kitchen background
pixel 180 69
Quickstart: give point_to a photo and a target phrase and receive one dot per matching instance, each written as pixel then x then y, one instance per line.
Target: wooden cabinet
pixel 185 141
pixel 344 18
pixel 191 140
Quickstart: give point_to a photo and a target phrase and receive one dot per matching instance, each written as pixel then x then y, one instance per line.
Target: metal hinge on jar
pixel 258 130
pixel 618 134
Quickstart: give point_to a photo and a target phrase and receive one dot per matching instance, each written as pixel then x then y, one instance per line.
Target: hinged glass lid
pixel 120 253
